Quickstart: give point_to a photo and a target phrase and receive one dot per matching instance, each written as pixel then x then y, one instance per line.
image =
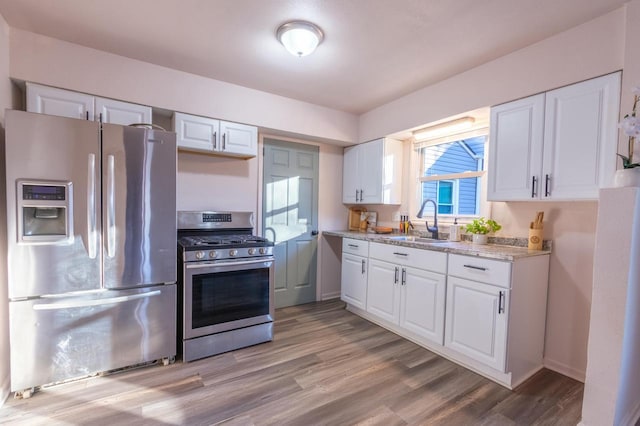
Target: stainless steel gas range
pixel 225 286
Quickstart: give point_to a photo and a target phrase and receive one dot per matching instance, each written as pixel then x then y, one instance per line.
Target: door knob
pixel 314 233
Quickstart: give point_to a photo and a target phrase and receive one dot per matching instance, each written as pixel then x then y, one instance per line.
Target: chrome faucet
pixel 433 229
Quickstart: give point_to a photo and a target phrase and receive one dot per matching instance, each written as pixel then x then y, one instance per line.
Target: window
pixel 451 172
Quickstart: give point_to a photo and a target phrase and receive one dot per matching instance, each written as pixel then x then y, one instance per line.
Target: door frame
pixel 259 209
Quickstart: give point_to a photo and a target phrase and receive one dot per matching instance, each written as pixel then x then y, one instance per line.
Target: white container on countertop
pixel 455 231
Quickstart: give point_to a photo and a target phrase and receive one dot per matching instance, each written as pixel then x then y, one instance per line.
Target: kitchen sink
pixel 415 239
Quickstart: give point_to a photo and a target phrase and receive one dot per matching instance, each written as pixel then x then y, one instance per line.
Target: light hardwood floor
pixel 325 366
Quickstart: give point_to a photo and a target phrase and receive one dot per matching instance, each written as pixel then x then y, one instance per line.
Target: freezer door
pixel 139 201
pixel 45 148
pixel 56 339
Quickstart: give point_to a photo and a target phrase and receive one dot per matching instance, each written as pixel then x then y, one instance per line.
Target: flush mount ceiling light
pixel 300 38
pixel 448 127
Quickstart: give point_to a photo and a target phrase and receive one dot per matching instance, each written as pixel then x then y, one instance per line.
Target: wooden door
pixel 290 218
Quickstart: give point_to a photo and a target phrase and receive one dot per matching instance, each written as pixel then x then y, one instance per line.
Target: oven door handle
pixel 202 265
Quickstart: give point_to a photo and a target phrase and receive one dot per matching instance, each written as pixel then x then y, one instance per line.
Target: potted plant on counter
pixel 480 228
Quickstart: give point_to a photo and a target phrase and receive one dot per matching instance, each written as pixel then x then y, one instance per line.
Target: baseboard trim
pixel 329 296
pixel 5 391
pixel 564 369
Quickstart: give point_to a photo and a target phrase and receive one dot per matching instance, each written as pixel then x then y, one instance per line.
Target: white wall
pixel 5 102
pixel 57 63
pixel 589 50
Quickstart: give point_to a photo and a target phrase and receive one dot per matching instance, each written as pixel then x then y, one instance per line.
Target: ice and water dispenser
pixel 44 211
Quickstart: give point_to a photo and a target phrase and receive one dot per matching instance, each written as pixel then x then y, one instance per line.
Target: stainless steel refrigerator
pixel 91 224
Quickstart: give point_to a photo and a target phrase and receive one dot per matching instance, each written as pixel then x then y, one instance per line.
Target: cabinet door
pixel 350 183
pixel 124 113
pixel 515 150
pixel 477 321
pixel 422 303
pixel 370 172
pixel 238 139
pixel 196 133
pixel 354 280
pixel 65 103
pixel 383 295
pixel 581 138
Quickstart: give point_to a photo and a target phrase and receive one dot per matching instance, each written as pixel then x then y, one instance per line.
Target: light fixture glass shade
pixel 442 129
pixel 300 38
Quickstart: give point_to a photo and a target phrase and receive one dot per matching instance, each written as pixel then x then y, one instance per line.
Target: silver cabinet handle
pixel 363 265
pixel 479 268
pixel 224 141
pixel 353 245
pixel 400 254
pixel 111 205
pixel 534 193
pixel 215 140
pixel 501 303
pixel 92 232
pixel 395 277
pixel 93 302
pixel 404 276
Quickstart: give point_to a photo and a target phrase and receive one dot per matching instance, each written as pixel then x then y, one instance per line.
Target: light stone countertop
pixel 489 251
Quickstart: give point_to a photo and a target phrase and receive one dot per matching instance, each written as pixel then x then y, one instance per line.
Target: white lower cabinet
pixel 354 272
pixel 485 314
pixel 404 295
pixel 477 321
pixel 496 314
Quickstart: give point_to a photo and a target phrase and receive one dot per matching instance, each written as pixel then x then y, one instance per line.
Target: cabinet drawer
pixel 359 247
pixel 407 256
pixel 478 269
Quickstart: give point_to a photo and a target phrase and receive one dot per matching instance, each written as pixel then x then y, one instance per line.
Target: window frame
pixel 483 206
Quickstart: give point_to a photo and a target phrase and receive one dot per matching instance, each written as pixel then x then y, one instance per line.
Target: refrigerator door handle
pixel 93 302
pixel 111 206
pixel 92 233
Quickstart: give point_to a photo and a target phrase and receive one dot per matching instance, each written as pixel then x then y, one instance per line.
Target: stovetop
pixel 199 242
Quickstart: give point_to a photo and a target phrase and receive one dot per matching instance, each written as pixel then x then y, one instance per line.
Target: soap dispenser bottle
pixel 454 231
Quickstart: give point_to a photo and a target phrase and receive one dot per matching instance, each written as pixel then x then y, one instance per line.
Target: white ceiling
pixel 374 51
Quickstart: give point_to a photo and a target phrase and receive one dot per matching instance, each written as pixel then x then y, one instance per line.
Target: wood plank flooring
pixel 325 366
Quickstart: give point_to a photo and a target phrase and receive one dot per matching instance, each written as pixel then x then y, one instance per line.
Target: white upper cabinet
pixel 124 113
pixel 559 145
pixel 238 139
pixel 213 136
pixel 372 173
pixel 196 133
pixel 67 103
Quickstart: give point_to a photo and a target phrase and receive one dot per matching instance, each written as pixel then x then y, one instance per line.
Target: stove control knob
pixel 252 251
pixel 263 250
pixel 212 254
pixel 199 255
pixel 233 252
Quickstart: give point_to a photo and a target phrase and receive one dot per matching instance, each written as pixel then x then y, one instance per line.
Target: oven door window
pixel 228 296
